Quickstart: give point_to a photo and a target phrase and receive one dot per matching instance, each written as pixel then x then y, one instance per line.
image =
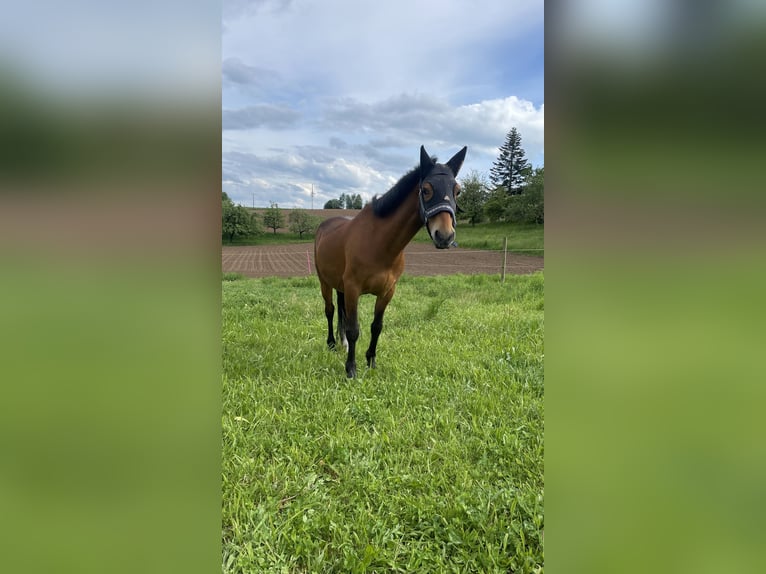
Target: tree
pixel 301 221
pixel 237 221
pixel 511 168
pixel 496 205
pixel 473 196
pixel 273 218
pixel 535 192
pixel 528 207
pixel 255 225
pixel 345 201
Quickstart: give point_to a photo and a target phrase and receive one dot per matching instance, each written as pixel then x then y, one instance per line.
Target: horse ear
pixel 457 161
pixel 425 162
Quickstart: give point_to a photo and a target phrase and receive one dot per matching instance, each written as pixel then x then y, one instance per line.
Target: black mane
pixel 384 205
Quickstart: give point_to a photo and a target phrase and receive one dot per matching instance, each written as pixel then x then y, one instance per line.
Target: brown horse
pixel 366 254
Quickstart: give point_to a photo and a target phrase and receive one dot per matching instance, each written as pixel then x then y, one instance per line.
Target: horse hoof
pixel 331 345
pixel 371 362
pixel 351 372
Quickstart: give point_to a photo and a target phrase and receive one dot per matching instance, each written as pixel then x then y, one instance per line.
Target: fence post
pixel 505 253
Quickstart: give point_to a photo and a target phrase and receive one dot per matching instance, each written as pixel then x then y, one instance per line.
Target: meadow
pixel 524 238
pixel 432 462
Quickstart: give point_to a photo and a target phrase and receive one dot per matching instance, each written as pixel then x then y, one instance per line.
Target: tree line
pixel 238 221
pixel 345 201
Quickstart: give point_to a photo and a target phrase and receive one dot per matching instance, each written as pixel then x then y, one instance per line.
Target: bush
pixel 496 206
pixel 528 206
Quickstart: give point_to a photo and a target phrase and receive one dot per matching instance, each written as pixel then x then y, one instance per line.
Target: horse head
pixel 438 190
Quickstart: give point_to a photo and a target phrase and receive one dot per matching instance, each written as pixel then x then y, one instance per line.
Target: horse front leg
pixel 352 331
pixel 377 325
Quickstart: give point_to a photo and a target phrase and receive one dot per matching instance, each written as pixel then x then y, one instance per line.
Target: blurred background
pixel 110 286
pixel 655 273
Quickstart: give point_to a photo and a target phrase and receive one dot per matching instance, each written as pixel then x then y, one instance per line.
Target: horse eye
pixel 456 189
pixel 428 192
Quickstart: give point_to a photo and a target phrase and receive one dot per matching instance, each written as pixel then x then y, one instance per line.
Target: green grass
pixel 270 238
pixel 432 462
pixel 231 276
pixel 524 238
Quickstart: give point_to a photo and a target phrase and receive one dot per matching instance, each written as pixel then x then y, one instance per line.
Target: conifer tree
pixel 511 168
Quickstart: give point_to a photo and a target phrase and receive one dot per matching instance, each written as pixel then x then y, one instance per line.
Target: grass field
pixel 270 238
pixel 527 239
pixel 524 238
pixel 433 462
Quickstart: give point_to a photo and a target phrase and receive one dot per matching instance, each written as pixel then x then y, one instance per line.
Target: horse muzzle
pixel 441 228
pixel 443 241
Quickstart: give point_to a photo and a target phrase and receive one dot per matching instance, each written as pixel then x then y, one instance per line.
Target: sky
pixel 341 94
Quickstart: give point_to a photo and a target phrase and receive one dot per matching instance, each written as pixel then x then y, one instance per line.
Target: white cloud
pixel 259 115
pixel 340 164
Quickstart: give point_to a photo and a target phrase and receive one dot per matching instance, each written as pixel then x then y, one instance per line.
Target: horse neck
pixel 405 223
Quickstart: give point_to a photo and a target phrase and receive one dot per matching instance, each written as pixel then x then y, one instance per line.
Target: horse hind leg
pixel 329 310
pixel 342 320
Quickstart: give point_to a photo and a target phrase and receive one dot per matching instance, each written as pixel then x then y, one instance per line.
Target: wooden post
pixel 505 253
pixel 308 261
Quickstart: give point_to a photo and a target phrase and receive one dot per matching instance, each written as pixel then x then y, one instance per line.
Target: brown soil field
pixel 297 260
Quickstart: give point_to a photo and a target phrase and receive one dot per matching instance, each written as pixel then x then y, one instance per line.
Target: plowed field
pixel 297 260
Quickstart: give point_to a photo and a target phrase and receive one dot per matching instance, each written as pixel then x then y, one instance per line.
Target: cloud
pixel 237 72
pixel 358 147
pixel 413 112
pixel 338 143
pixel 258 116
pixel 232 9
pixel 286 178
pixel 406 119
